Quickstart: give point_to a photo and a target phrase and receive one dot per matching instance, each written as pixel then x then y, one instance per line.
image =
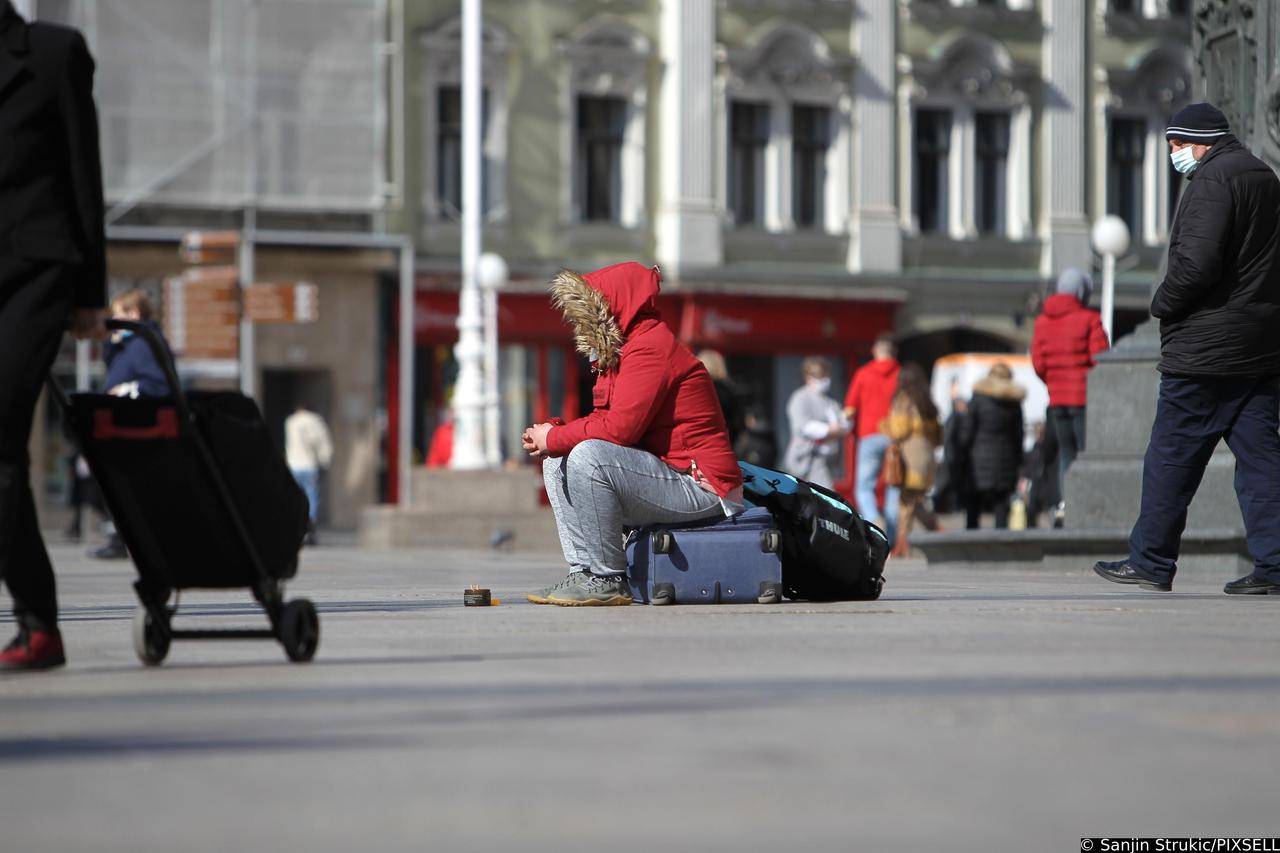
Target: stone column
pixel 875 243
pixel 1065 138
pixel 687 227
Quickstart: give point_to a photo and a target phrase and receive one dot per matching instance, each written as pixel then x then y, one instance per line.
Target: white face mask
pixel 821 385
pixel 1184 159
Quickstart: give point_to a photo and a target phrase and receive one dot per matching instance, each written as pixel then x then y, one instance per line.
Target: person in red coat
pixel 655 449
pixel 867 404
pixel 1067 338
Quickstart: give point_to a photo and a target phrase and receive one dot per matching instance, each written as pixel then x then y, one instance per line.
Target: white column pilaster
pixel 1066 70
pixel 687 224
pixel 875 243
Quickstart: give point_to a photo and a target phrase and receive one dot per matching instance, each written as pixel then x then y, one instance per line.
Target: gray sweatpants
pixel 601 487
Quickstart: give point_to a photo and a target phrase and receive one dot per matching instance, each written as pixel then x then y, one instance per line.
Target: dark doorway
pixel 285 390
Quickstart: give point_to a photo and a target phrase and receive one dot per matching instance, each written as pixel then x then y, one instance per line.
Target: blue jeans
pixel 1192 415
pixel 871 451
pixel 309 481
pixel 602 487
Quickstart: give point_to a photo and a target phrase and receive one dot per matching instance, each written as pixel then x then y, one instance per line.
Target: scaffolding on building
pixel 228 104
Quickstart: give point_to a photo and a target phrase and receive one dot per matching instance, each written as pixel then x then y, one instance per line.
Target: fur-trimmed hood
pixel 604 306
pixel 1000 388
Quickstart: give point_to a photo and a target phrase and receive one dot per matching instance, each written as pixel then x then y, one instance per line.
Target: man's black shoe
pixel 1250 585
pixel 1121 572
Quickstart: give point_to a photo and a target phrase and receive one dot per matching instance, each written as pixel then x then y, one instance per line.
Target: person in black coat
pixel 52 275
pixel 1219 309
pixel 992 433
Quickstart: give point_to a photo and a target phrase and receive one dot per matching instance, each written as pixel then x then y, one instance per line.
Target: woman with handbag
pixel 915 433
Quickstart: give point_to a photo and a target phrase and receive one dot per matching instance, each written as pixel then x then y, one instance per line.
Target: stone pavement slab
pixel 965 710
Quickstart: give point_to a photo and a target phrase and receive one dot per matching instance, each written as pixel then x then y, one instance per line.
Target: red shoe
pixel 33 650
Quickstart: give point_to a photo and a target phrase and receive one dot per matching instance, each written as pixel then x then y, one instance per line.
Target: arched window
pixel 969 141
pixel 442 121
pixel 1140 186
pixel 785 130
pixel 605 102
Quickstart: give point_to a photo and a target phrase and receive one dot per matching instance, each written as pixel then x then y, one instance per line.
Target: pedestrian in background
pixel 308 449
pixel 758 443
pixel 913 425
pixel 733 397
pixel 132 371
pixel 1067 338
pixel 52 274
pixel 992 434
pixel 816 424
pixel 1219 311
pixel 867 404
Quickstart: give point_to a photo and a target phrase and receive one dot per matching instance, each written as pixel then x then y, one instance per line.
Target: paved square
pixel 968 710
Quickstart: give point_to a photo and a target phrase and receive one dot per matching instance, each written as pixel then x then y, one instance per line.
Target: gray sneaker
pixel 542 596
pixel 588 590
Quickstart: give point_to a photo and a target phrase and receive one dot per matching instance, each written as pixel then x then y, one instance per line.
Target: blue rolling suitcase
pixel 724 561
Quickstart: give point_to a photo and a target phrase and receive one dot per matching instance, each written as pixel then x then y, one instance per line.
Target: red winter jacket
pixel 870 394
pixel 658 397
pixel 1067 337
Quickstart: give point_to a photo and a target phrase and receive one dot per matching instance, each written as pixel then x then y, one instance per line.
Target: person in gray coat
pixel 817 425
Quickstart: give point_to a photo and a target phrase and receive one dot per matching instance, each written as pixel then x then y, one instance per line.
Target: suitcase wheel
pixel 299 630
pixel 770 541
pixel 770 593
pixel 663 593
pixel 151 637
pixel 663 542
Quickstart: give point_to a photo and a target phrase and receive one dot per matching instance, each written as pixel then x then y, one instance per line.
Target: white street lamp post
pixel 468 396
pixel 491 273
pixel 1110 237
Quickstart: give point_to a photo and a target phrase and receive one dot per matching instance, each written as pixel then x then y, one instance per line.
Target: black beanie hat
pixel 1201 123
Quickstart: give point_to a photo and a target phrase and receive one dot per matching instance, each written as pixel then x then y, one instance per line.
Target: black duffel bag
pixel 829 552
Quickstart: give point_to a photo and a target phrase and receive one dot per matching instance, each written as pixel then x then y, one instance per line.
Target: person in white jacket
pixel 308 449
pixel 817 425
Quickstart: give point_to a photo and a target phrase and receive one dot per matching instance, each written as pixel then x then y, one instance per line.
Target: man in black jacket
pixel 52 274
pixel 1219 312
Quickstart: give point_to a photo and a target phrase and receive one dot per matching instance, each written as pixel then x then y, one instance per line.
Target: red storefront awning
pixel 731 323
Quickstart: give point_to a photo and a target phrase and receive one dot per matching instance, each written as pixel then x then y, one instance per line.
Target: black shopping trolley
pixel 202 500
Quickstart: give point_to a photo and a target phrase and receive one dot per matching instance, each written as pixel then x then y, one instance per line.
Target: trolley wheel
pixel 150 637
pixel 299 630
pixel 662 542
pixel 770 541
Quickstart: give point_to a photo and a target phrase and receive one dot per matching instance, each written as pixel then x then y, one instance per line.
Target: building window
pixel 932 152
pixel 1124 7
pixel 449 152
pixel 1126 158
pixel 991 171
pixel 602 124
pixel 442 125
pixel 810 141
pixel 749 135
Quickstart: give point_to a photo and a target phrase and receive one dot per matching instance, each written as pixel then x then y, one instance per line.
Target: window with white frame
pixel 604 102
pixel 810 147
pixel 442 123
pixel 786 114
pixel 932 158
pixel 748 144
pixel 1126 161
pixel 602 124
pixel 1139 184
pixel 970 132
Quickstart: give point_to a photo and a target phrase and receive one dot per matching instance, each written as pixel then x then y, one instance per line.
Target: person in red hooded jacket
pixel 1067 337
pixel 867 404
pixel 655 448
